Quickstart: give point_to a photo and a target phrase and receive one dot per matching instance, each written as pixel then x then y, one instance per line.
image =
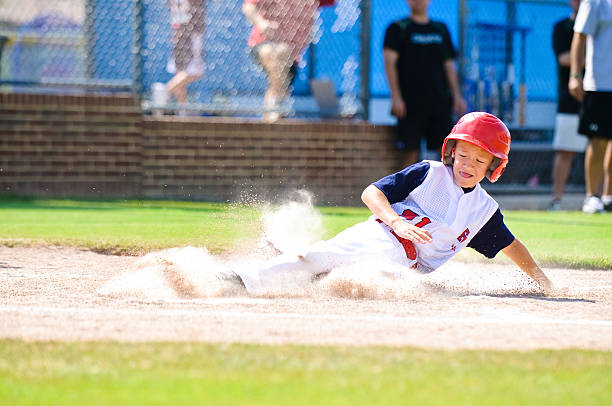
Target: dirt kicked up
pixel 49 293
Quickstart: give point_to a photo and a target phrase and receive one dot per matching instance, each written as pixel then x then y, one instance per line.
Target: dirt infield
pixel 49 293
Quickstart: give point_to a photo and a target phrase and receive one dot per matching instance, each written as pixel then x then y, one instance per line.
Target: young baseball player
pixel 422 216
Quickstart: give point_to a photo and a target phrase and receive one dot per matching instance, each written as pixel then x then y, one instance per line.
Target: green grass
pixel 110 373
pixel 103 373
pixel 126 226
pixel 570 239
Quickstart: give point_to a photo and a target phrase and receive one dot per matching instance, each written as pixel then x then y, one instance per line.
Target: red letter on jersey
pixel 464 235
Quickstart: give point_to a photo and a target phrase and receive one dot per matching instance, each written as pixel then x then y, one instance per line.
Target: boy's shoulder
pixel 438 166
pixel 434 163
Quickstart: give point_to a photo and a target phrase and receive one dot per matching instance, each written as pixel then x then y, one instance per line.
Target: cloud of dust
pixel 171 274
pixel 380 280
pixel 192 272
pixel 294 226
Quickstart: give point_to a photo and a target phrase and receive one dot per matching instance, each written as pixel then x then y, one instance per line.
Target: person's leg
pixel 275 59
pixel 409 132
pixel 594 155
pixel 410 156
pixel 605 121
pixel 177 86
pixel 593 166
pixel 593 173
pixel 365 241
pixel 566 143
pixel 438 126
pixel 561 169
pixel 188 62
pixel 607 177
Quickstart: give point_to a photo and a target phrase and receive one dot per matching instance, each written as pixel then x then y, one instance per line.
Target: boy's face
pixel 470 164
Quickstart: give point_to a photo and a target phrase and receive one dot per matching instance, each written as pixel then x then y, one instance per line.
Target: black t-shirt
pixel 562 41
pixel 422 49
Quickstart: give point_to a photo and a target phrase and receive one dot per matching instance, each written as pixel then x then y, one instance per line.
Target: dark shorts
pixel 433 127
pixel 596 115
pixel 255 55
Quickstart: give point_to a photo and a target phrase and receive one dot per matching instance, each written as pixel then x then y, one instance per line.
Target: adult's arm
pixel 564 59
pixel 459 104
pixel 398 107
pixel 577 65
pixel 560 45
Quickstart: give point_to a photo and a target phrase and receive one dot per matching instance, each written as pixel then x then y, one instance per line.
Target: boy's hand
pixel 410 232
pixel 546 285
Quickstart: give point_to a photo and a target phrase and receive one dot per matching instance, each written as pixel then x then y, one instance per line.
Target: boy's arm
pixel 519 254
pixel 378 203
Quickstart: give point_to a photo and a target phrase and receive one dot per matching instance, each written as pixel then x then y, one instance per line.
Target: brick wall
pixel 102 146
pixel 234 159
pixel 82 146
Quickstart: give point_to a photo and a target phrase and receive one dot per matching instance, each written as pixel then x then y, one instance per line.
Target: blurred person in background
pixel 187 61
pixel 593 34
pixel 282 29
pixel 420 66
pixel 567 141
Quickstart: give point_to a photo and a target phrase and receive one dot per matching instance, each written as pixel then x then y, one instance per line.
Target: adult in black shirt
pixel 567 141
pixel 419 63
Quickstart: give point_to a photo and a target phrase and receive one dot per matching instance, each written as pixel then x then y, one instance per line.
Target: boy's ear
pixel 453 153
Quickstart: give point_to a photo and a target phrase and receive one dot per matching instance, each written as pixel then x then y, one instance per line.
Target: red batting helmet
pixel 485 131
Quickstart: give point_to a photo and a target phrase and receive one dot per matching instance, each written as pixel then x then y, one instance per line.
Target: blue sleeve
pixel 398 186
pixel 493 237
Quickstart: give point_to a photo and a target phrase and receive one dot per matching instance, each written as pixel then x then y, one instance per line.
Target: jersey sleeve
pixel 560 45
pixel 392 37
pixel 398 186
pixel 449 50
pixel 587 17
pixel 493 237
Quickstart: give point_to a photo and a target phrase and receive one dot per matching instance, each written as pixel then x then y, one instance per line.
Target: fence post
pixel 89 39
pixel 365 57
pixel 463 12
pixel 137 48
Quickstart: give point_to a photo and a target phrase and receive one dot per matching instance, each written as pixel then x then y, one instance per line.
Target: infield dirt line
pixel 518 319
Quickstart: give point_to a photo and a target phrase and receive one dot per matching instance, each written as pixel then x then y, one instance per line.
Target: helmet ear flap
pixel 495 169
pixel 494 164
pixel 447 151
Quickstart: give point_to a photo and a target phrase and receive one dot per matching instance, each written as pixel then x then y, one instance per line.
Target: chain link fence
pixel 506 57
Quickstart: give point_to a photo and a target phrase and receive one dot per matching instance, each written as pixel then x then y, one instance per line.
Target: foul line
pixel 37 310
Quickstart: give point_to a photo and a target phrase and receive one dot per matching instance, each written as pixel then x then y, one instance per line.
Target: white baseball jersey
pixel 437 204
pixel 451 216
